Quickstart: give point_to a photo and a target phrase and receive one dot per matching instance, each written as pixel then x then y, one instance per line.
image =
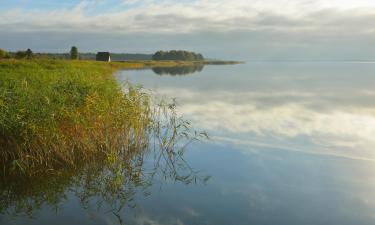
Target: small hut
pixel 103 56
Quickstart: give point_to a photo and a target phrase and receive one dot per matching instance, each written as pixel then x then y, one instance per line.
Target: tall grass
pixel 58 113
pixel 68 126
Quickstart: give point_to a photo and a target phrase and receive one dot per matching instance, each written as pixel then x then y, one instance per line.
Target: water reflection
pixel 110 182
pixel 293 143
pixel 315 108
pixel 179 70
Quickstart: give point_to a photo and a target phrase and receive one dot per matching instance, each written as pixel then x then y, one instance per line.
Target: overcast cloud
pixel 236 29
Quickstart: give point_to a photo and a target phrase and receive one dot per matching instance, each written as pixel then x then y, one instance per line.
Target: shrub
pixel 3 54
pixel 74 53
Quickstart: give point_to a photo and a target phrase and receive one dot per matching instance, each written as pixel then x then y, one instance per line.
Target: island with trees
pixel 177 55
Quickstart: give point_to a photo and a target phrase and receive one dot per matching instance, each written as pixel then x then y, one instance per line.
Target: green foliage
pixel 74 53
pixel 20 54
pixel 62 112
pixel 67 126
pixel 177 55
pixel 3 54
pixel 29 53
pixel 113 179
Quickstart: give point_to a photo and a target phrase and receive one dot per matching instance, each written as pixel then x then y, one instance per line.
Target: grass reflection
pixel 110 180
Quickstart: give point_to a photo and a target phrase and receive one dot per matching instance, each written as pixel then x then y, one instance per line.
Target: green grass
pixel 60 112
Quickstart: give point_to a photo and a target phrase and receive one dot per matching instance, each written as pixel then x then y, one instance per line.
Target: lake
pixel 289 143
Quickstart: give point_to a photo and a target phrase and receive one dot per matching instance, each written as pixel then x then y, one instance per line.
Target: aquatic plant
pixel 109 181
pixel 55 112
pixel 68 127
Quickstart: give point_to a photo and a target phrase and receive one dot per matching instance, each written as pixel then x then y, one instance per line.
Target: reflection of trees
pixel 179 70
pixel 110 180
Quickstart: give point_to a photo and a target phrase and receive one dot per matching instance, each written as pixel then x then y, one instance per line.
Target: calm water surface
pixel 291 143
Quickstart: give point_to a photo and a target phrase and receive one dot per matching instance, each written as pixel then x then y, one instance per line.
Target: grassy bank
pixel 59 112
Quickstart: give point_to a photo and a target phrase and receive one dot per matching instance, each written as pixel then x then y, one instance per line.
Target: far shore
pixel 145 64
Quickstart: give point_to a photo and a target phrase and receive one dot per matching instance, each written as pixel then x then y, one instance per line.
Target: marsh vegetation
pixel 56 113
pixel 108 181
pixel 59 113
pixel 67 127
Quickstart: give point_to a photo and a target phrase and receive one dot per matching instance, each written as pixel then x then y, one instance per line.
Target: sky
pixel 236 29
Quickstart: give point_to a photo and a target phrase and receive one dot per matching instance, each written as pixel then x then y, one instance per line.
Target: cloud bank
pixel 266 28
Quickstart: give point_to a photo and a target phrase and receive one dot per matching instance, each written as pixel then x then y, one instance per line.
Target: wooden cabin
pixel 103 56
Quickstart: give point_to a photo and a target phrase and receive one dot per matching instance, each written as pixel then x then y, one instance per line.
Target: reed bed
pixel 60 113
pixel 68 126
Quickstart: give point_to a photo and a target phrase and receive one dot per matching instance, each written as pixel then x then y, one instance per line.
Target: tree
pixel 20 54
pixel 177 55
pixel 200 57
pixel 158 55
pixel 3 54
pixel 74 53
pixel 29 53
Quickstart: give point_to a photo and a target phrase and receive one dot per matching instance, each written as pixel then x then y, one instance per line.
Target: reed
pixel 60 113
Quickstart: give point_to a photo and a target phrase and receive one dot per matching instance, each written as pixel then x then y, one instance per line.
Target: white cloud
pixel 239 29
pixel 192 16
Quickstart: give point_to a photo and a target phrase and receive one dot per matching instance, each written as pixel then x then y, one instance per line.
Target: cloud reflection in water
pixel 320 109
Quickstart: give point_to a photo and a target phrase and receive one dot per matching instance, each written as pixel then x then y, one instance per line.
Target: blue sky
pixel 241 29
pixel 37 4
pixel 95 6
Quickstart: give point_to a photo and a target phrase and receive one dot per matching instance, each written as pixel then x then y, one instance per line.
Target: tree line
pixel 177 55
pixel 75 55
pixel 21 54
pixel 28 54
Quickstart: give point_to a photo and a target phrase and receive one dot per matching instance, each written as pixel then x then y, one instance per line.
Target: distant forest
pixel 159 55
pixel 177 55
pixel 87 56
pixel 118 56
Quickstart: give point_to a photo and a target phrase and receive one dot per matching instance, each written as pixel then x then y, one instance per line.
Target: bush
pixel 3 54
pixel 29 53
pixel 20 54
pixel 74 53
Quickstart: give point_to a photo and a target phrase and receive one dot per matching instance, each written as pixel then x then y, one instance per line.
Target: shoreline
pixel 148 64
pixel 50 106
